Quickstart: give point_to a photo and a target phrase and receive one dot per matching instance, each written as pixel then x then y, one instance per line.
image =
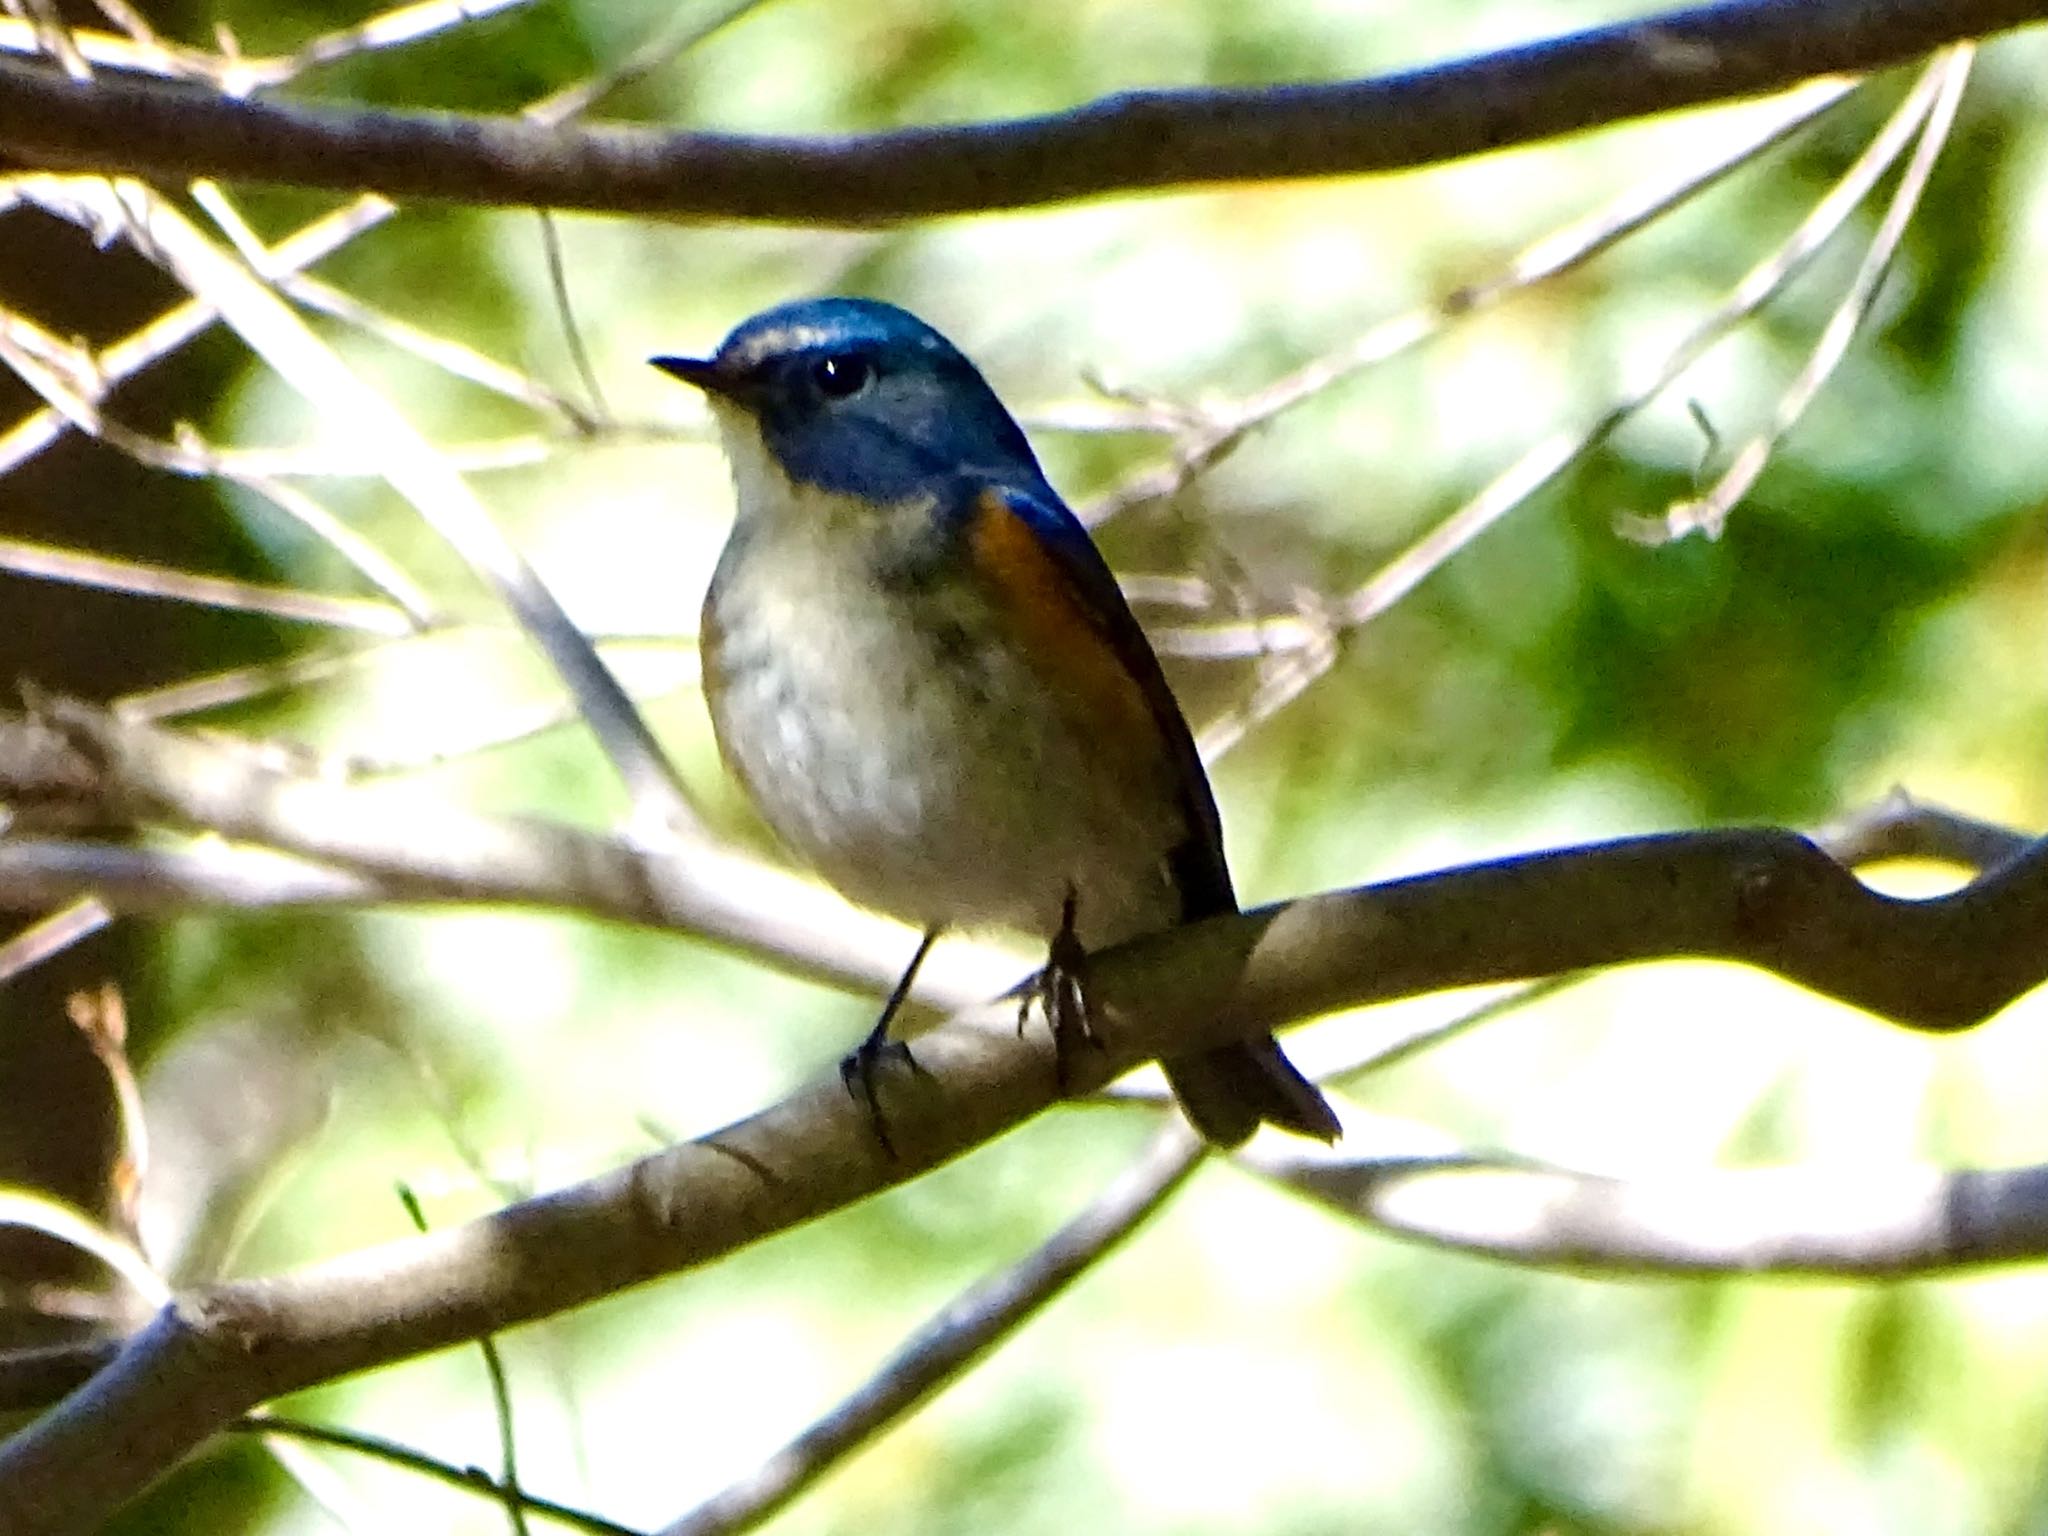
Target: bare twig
pixel 412 468
pixel 1862 1222
pixel 238 74
pixel 679 35
pixel 397 1455
pixel 453 357
pixel 49 563
pixel 235 685
pixel 511 1494
pixel 103 879
pixel 394 28
pixel 179 324
pixel 322 236
pixel 1708 514
pixel 70 924
pixel 960 1334
pixel 1900 827
pixel 58 1219
pixel 1315 633
pixel 1207 435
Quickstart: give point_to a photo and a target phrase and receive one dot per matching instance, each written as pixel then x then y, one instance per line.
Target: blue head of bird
pixel 854 398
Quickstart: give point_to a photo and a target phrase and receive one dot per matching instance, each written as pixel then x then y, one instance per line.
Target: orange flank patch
pixel 1054 627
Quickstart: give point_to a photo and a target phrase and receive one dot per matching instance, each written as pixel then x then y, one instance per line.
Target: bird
pixel 923 674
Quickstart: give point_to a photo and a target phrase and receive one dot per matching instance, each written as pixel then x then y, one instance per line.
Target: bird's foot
pixel 862 1069
pixel 1061 991
pixel 861 1072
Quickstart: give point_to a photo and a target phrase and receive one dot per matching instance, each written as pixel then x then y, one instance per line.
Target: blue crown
pixel 858 397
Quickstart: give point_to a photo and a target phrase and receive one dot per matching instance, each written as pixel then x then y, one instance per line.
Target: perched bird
pixel 923 673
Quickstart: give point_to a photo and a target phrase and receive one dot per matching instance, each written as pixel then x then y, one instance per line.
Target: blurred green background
pixel 1873 616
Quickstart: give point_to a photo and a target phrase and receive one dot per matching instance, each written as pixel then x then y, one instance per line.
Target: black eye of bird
pixel 841 375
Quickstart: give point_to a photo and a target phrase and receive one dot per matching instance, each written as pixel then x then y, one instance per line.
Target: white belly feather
pixel 921 768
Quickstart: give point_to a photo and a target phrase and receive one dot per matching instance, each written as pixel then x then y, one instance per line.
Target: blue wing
pixel 1037 551
pixel 1032 551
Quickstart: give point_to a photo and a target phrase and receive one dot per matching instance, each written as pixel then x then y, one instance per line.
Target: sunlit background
pixel 1871 616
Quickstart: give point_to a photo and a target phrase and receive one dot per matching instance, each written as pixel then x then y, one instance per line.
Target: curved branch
pixel 1757 896
pixel 1847 1222
pixel 214 1354
pixel 1766 897
pixel 1140 140
pixel 470 1479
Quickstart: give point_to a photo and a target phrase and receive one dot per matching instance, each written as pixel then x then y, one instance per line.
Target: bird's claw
pixel 1061 991
pixel 860 1071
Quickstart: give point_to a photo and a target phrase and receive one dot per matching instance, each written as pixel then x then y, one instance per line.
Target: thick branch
pixel 1768 897
pixel 1760 896
pixel 215 1354
pixel 1134 141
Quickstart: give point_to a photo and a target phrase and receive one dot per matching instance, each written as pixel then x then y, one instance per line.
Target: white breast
pixel 896 743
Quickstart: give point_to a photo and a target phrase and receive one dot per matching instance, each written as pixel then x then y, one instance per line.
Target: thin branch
pixel 1316 631
pixel 682 33
pixel 176 326
pixel 71 924
pixel 141 52
pixel 1853 1223
pixel 313 241
pixel 471 1479
pixel 962 1333
pixel 1708 514
pixel 450 356
pixel 106 878
pixel 46 562
pixel 1901 827
pixel 661 806
pixel 394 28
pixel 368 559
pixel 572 333
pixel 35 1211
pixel 515 451
pixel 512 1495
pixel 53 36
pixel 64 376
pixel 202 691
pixel 238 75
pixel 1136 141
pixel 409 464
pixel 1206 435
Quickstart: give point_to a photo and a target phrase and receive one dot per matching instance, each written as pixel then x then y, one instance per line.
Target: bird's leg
pixel 1062 991
pixel 859 1070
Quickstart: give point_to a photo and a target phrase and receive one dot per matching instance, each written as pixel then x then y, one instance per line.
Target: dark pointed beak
pixel 703 372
